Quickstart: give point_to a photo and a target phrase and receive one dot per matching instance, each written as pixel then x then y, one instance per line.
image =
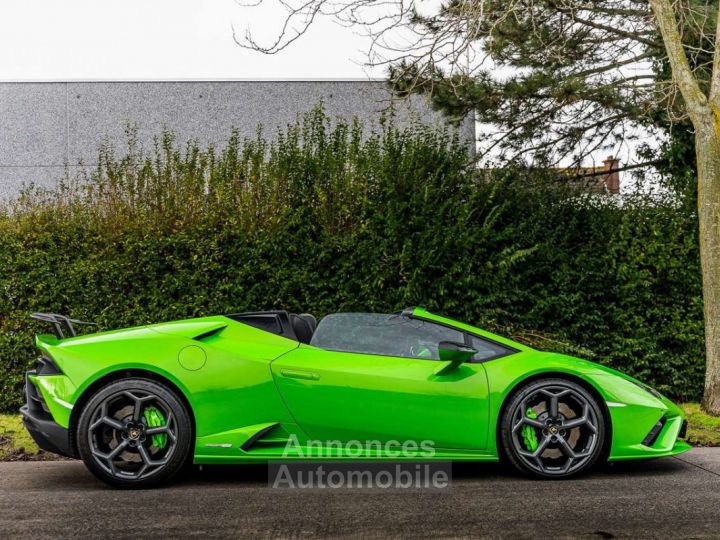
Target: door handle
pixel 299 374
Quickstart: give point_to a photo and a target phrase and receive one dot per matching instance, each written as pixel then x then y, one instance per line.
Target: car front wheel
pixel 553 428
pixel 134 433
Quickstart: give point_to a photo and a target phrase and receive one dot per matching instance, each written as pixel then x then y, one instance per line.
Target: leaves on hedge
pixel 330 216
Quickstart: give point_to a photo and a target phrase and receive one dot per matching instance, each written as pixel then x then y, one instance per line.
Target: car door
pixel 337 393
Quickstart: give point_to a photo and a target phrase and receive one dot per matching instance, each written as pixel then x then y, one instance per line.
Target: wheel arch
pixel 118 375
pixel 555 374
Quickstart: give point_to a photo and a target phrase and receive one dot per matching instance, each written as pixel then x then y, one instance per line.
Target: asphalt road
pixel 671 497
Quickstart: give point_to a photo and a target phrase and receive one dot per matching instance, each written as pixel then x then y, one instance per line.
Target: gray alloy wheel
pixel 553 428
pixel 134 433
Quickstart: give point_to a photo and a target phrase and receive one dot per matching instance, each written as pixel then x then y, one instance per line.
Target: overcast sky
pixel 162 39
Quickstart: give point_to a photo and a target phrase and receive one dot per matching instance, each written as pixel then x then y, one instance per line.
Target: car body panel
pixel 233 388
pixel 353 396
pixel 251 392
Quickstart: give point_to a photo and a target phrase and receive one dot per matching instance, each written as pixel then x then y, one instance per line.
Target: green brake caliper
pixel 155 418
pixel 528 432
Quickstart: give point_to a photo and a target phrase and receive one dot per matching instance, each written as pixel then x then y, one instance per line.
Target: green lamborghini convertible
pixel 138 404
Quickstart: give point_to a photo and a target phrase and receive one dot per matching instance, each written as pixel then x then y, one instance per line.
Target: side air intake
pixel 654 433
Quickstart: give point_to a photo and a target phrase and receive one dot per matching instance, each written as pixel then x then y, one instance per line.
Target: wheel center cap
pixel 553 430
pixel 134 433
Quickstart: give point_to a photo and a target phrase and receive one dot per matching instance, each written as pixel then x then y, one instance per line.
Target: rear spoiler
pixel 62 325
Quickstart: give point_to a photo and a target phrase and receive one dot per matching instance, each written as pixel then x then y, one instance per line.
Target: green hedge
pixel 331 217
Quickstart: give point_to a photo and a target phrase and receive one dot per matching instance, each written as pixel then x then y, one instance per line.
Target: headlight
pixel 647 388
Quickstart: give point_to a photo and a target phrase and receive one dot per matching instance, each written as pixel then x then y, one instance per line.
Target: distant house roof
pixel 605 179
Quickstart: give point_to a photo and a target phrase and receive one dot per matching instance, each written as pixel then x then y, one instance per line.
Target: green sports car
pixel 138 404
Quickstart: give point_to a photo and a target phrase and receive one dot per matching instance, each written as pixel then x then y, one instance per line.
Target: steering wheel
pixel 420 351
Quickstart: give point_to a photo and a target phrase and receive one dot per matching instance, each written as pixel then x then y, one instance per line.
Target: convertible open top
pixel 283 323
pixel 298 327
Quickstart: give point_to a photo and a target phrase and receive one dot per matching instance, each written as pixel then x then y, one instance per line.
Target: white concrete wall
pixel 46 126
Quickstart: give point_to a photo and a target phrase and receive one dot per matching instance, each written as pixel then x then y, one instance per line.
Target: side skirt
pixel 312 454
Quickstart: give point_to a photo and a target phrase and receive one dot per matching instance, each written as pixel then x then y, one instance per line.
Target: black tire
pixel 552 428
pixel 134 433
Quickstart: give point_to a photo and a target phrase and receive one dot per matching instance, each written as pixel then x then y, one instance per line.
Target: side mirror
pixel 456 354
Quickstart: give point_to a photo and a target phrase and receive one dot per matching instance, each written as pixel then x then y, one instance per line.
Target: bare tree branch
pixel 682 72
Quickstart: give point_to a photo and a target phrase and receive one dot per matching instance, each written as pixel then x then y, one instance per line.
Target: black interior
pixel 303 325
pixel 298 327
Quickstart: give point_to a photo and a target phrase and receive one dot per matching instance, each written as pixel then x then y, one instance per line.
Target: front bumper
pixel 635 436
pixel 48 434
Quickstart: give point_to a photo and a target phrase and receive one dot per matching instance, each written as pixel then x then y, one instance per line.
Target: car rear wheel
pixel 134 433
pixel 553 428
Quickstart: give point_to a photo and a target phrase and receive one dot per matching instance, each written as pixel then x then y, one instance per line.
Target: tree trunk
pixel 707 141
